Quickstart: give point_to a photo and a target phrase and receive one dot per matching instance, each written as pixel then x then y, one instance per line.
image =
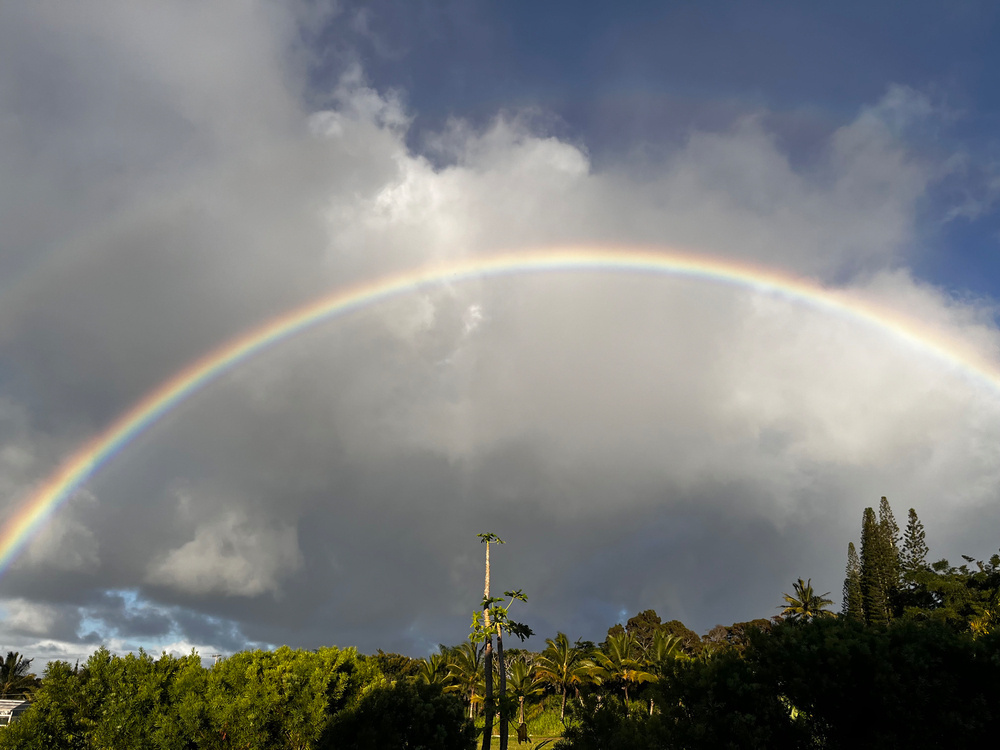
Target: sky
pixel 175 175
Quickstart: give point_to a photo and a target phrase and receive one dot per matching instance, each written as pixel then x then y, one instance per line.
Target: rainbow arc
pixel 51 493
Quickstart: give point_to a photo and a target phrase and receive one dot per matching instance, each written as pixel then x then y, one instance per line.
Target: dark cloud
pixel 641 442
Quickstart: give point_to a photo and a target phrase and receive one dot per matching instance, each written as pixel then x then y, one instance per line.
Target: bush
pixel 402 715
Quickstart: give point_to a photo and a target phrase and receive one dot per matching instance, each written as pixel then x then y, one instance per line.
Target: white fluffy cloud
pixel 230 555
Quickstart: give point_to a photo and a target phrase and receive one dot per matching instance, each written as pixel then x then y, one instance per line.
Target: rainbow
pixel 33 512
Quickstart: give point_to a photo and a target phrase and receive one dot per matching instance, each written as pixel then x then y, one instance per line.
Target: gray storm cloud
pixel 641 442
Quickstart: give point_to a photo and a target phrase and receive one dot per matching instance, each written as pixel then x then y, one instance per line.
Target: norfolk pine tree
pixel 875 566
pixel 914 556
pixel 891 540
pixel 853 606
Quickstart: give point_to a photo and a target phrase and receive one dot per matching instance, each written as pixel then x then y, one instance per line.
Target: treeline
pixel 913 660
pixel 255 700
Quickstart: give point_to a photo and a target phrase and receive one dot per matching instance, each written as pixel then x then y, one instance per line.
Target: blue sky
pixel 623 77
pixel 177 174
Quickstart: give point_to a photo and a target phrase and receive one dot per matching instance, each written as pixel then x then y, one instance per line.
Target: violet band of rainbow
pixel 31 514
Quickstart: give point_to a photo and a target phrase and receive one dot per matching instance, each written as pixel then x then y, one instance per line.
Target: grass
pixel 535 742
pixel 543 725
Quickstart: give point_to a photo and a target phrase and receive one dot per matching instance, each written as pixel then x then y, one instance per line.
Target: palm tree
pixel 434 670
pixel 523 682
pixel 563 666
pixel 806 604
pixel 15 679
pixel 664 649
pixel 620 663
pixel 465 667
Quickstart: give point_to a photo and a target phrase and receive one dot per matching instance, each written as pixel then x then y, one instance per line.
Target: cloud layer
pixel 640 442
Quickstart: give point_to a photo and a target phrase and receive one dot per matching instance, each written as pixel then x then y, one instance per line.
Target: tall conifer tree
pixel 874 570
pixel 853 604
pixel 914 556
pixel 891 541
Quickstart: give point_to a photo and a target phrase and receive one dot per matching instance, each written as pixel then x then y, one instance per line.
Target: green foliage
pixel 928 686
pixel 889 530
pixel 563 666
pixel 735 636
pixel 434 670
pixel 721 702
pixel 853 605
pixel 644 626
pixel 402 715
pixel 877 584
pixel 494 618
pixel 465 665
pixel 51 723
pixel 913 558
pixel 831 683
pixel 396 666
pixel 805 604
pixel 961 597
pixel 691 640
pixel 278 700
pixel 621 663
pixel 16 681
pixel 608 725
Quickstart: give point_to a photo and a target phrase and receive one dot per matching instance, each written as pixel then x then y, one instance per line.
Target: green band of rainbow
pixel 31 514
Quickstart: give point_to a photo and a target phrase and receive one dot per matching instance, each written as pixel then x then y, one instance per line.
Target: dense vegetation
pixel 255 700
pixel 912 660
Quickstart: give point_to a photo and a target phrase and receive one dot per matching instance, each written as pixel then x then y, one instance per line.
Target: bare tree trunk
pixel 488 699
pixel 562 709
pixel 502 665
pixel 488 660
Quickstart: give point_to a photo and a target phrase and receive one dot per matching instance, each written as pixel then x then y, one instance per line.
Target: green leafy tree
pixel 805 604
pixel 913 558
pixel 402 715
pixel 853 606
pixel 133 700
pixel 607 725
pixel 909 685
pixel 396 666
pixel 736 636
pixel 643 627
pixel 54 720
pixel 563 666
pixel 962 597
pixel 264 700
pixel 692 641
